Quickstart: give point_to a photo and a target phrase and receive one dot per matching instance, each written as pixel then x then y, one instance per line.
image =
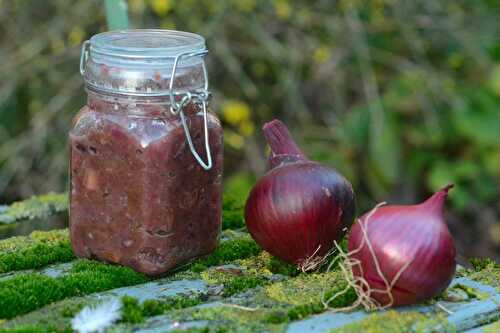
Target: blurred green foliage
pixel 402 97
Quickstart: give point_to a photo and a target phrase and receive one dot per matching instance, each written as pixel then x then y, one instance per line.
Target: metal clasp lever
pixel 84 56
pixel 208 165
pixel 201 96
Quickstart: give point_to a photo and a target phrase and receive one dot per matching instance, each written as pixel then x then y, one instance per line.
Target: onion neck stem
pixel 436 201
pixel 283 147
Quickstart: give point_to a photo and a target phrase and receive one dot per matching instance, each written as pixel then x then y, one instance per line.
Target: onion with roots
pixel 299 208
pixel 400 255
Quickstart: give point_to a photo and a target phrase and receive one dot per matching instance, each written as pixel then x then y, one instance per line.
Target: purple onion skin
pixel 298 205
pixel 402 234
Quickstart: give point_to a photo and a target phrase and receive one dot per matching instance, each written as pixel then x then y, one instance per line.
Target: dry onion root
pixel 315 261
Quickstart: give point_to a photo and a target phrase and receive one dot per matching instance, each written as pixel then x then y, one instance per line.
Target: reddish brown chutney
pixel 138 196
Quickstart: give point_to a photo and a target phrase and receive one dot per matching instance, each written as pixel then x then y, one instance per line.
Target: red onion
pixel 412 247
pixel 299 208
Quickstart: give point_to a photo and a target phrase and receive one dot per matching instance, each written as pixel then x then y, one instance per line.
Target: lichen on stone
pixel 30 291
pixel 266 264
pixel 253 291
pixel 230 318
pixel 307 294
pixel 41 206
pixel 470 292
pixel 270 306
pixel 234 279
pixel 492 328
pixel 395 322
pixel 305 288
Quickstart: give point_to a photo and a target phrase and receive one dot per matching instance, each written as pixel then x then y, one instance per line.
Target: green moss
pixel 229 318
pixel 485 271
pixel 258 264
pixel 57 315
pixel 195 330
pixel 242 283
pixel 230 250
pixel 234 283
pixel 27 292
pixel 156 307
pixel 133 312
pixel 492 328
pixel 35 207
pixel 305 288
pixel 70 309
pixel 471 292
pixel 239 186
pixel 266 264
pixel 232 213
pixel 481 263
pixel 275 304
pixel 305 295
pixel 294 299
pixel 280 267
pixel 277 317
pixel 38 249
pixel 393 321
pixel 33 329
pixel 305 310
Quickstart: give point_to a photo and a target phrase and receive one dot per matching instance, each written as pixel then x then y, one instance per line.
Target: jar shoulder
pixel 136 125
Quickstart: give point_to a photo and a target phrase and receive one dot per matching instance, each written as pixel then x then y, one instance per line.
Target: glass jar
pixel 145 152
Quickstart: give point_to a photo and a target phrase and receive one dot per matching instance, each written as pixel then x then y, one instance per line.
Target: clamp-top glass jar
pixel 146 153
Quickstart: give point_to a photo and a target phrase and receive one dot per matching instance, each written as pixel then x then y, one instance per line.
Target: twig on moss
pixel 239 307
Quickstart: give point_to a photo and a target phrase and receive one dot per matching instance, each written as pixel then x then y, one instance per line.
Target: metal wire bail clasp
pixel 84 56
pixel 199 96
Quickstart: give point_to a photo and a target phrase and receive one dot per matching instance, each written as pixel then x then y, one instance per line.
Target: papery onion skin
pixel 299 208
pixel 402 234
